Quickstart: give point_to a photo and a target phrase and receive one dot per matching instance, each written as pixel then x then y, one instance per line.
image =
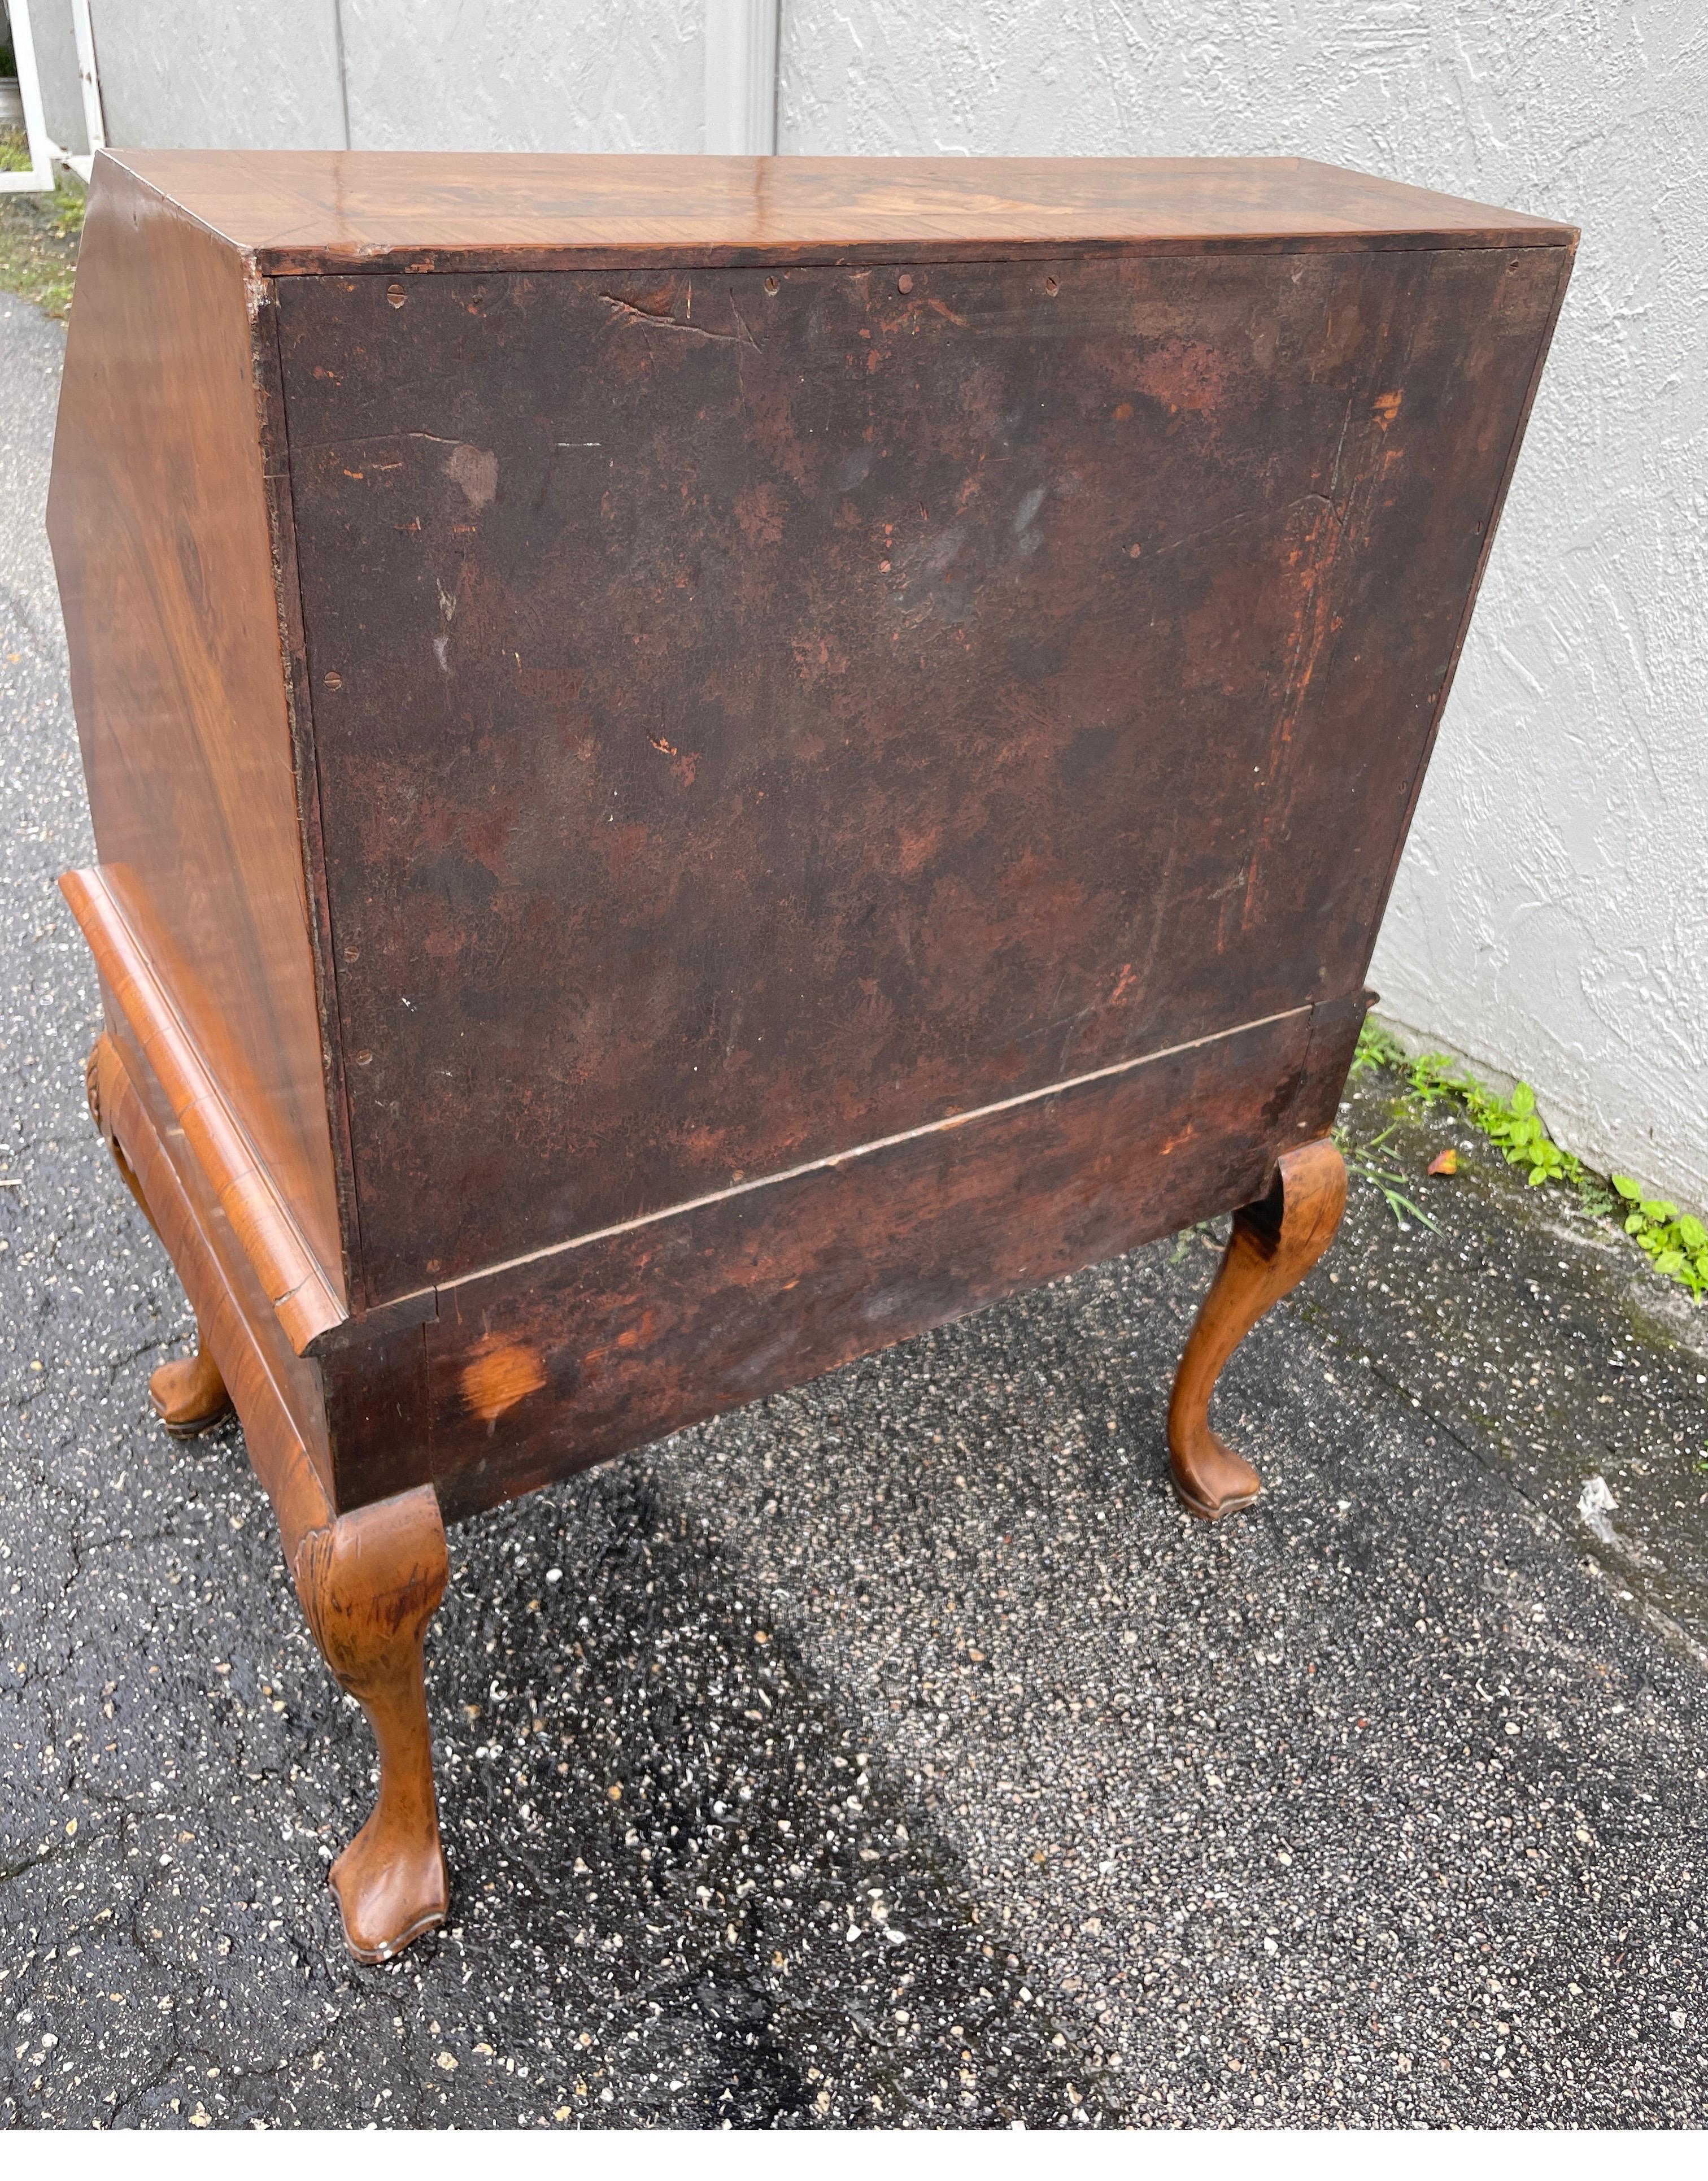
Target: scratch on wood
pixel 666 321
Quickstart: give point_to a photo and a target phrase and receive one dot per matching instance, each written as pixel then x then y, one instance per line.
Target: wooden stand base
pixel 1274 1245
pixel 371 1578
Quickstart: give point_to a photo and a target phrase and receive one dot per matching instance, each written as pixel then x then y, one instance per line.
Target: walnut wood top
pixel 304 211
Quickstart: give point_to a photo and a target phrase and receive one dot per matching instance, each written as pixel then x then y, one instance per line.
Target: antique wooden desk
pixel 700 764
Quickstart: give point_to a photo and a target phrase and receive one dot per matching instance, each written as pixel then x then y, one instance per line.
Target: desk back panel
pixel 757 713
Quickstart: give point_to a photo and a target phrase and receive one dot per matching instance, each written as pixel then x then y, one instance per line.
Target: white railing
pixel 45 155
pixel 89 83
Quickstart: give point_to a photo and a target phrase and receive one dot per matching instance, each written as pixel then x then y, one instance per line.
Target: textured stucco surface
pixel 1549 915
pixel 56 63
pixel 219 74
pixel 582 75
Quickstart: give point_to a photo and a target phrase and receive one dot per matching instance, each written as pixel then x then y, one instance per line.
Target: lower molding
pixel 542 1367
pixel 502 1382
pixel 295 1284
pixel 278 1450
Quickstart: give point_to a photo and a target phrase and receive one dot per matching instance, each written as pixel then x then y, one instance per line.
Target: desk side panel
pixel 159 524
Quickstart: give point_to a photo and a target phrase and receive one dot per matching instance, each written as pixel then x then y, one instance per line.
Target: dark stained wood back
pixel 159 523
pixel 760 714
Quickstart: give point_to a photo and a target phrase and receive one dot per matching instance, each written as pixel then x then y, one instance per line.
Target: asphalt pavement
pixel 892 1753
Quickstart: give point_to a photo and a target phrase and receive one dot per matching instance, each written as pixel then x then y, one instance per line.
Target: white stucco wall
pixel 513 75
pixel 218 74
pixel 1550 917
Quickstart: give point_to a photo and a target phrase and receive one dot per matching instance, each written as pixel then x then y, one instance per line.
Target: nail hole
pixel 395 294
pixel 906 284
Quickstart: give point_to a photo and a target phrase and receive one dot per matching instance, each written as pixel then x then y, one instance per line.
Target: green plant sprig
pixel 1675 1243
pixel 1392 1185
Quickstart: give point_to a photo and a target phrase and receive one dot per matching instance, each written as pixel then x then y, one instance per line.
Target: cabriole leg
pixel 1273 1246
pixel 190 1396
pixel 369 1583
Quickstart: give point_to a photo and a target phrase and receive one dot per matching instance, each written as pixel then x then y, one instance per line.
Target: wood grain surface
pixel 233 1324
pixel 684 823
pixel 159 521
pixel 758 713
pixel 547 1365
pixel 291 1381
pixel 1273 1245
pixel 304 212
pixel 287 1271
pixel 369 1584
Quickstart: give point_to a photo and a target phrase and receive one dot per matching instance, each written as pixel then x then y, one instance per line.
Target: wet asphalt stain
pixel 686 1892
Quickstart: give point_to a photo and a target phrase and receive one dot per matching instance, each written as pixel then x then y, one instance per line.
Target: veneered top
pixel 307 211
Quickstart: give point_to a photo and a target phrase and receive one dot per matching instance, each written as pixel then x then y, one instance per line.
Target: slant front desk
pixel 700 764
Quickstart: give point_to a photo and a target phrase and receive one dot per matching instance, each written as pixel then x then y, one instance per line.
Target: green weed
pixel 1392 1185
pixel 1676 1244
pixel 39 234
